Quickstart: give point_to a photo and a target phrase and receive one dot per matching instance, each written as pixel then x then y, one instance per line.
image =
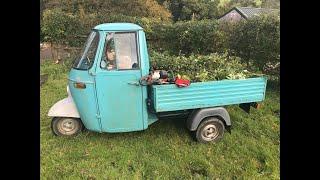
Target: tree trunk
pixel 192 17
pixel 55 52
pixel 52 50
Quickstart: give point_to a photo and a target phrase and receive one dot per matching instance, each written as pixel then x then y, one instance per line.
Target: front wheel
pixel 66 126
pixel 210 130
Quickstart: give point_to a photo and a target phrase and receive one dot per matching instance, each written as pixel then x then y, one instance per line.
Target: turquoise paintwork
pixel 120 104
pixel 118 27
pixel 110 104
pixel 85 99
pixel 208 94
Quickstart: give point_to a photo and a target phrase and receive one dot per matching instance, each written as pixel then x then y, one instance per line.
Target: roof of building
pixel 118 27
pixel 248 12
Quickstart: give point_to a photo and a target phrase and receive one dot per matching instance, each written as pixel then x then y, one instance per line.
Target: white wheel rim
pixel 68 126
pixel 210 132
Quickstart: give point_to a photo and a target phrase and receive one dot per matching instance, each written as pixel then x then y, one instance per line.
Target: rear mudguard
pixel 64 108
pixel 198 115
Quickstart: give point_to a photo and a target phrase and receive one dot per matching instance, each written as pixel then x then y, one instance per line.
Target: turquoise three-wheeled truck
pixel 106 94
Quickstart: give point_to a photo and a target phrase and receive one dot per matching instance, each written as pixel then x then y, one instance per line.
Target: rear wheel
pixel 66 126
pixel 210 130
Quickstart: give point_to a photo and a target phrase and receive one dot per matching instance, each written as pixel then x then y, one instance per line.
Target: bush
pixel 188 37
pixel 59 27
pixel 68 22
pixel 191 9
pixel 134 8
pixel 257 40
pixel 201 68
pixel 146 23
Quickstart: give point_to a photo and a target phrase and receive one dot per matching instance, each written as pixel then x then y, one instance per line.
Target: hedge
pixel 61 28
pixel 256 40
pixel 187 37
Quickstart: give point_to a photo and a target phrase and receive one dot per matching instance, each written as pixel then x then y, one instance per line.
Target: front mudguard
pixel 64 108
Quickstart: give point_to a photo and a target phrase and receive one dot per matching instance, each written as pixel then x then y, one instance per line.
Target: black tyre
pixel 210 130
pixel 65 126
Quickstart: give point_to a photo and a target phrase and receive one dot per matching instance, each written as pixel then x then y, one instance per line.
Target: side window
pixel 126 45
pixel 120 52
pixel 109 53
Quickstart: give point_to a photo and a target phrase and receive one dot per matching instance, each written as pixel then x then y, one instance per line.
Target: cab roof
pixel 118 27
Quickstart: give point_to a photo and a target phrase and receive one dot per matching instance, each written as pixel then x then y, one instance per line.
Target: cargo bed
pixel 208 94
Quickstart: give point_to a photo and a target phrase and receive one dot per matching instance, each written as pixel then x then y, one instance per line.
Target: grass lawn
pixel 163 151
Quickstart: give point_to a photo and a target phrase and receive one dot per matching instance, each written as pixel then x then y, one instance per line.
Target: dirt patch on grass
pixel 58 52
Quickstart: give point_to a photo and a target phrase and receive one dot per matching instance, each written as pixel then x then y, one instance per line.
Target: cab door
pixel 119 94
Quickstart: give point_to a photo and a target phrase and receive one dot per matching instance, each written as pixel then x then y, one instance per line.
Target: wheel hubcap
pixel 68 126
pixel 210 132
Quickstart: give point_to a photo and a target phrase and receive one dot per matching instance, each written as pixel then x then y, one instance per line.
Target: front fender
pixel 64 108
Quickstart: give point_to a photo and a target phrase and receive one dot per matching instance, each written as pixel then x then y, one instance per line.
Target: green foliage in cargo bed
pixel 203 67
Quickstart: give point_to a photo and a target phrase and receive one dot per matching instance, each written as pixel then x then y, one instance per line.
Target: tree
pixel 191 9
pixel 138 8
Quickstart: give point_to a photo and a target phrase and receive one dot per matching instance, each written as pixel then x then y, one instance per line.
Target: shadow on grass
pixel 178 124
pixel 159 128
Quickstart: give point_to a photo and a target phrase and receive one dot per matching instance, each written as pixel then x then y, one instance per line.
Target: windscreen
pixel 88 53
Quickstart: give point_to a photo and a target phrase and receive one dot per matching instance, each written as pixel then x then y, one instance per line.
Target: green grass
pixel 165 150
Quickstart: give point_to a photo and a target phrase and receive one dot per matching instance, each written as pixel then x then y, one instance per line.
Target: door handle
pixel 134 83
